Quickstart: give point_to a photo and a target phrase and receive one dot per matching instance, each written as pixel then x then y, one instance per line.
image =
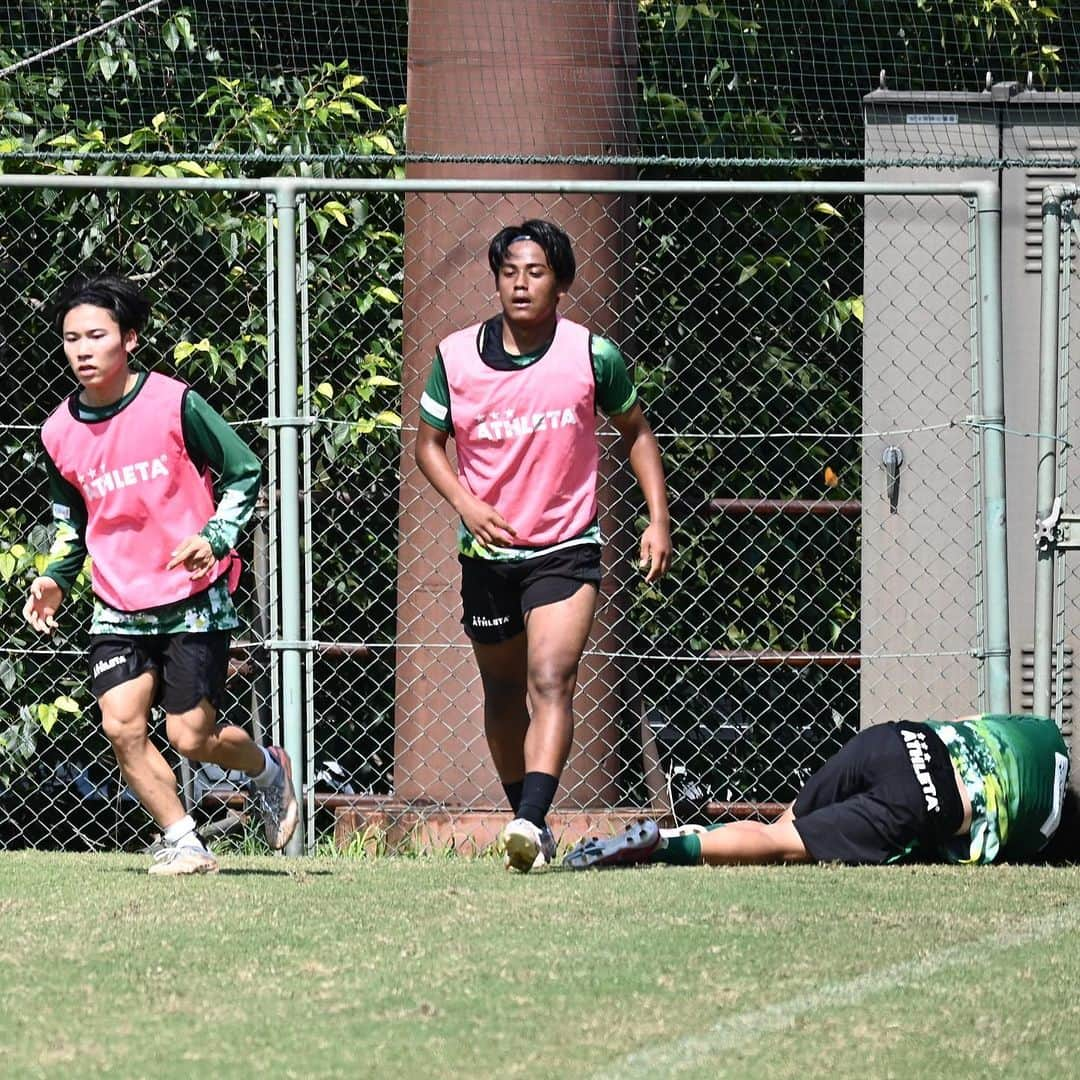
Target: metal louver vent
pixel 1035 180
pixel 1027 698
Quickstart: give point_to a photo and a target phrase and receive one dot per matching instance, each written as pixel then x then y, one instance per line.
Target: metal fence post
pixel 992 395
pixel 289 463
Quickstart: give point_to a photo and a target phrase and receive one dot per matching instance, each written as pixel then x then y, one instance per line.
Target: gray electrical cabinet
pixel 917 339
pixel 919 480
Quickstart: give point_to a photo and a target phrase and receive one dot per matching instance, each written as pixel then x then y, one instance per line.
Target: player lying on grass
pixel 129 458
pixel 976 790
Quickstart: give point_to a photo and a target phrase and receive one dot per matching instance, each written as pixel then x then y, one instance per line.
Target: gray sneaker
pixel 633 845
pixel 276 803
pixel 172 860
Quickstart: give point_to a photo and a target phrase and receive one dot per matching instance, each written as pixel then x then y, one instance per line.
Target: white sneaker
pixel 523 844
pixel 175 860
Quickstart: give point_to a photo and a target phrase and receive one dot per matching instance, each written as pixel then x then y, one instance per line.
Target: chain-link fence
pixel 782 340
pixel 203 259
pixel 711 83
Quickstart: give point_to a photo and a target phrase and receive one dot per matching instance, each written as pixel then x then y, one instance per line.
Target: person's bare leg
pixel 506 714
pixel 125 718
pixel 197 735
pixel 744 842
pixel 556 636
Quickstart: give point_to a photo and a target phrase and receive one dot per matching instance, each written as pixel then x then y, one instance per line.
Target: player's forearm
pixel 234 510
pixel 67 555
pixel 432 461
pixel 644 454
pixel 237 472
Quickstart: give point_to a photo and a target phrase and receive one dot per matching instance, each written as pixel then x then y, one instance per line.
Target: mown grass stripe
pixel 693 1051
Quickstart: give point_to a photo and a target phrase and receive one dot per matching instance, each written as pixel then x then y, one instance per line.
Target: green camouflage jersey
pixel 210 443
pixel 1015 769
pixel 615 393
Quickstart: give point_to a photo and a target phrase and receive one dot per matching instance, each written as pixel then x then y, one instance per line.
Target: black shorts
pixel 496 595
pixel 189 667
pixel 889 790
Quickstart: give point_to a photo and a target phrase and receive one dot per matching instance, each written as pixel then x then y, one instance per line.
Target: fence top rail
pixel 1056 194
pixel 985 192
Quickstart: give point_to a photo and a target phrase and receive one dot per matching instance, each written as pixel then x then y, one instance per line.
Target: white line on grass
pixel 691 1051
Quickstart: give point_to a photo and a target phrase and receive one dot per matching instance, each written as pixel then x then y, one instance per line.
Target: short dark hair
pixel 127 302
pixel 555 242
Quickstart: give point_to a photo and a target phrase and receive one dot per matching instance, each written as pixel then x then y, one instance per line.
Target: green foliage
pixel 188 81
pixel 771 81
pixel 760 334
pixel 36 699
pixel 203 258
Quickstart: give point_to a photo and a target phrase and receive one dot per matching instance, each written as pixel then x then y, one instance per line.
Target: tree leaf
pixel 192 167
pixel 47 716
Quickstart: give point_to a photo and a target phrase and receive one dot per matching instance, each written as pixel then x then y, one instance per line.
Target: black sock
pixel 537 794
pixel 513 793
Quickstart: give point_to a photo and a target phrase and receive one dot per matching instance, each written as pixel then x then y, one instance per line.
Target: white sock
pixel 182 834
pixel 269 771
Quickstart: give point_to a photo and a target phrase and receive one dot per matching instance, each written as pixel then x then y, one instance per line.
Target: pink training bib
pixel 526 438
pixel 143 495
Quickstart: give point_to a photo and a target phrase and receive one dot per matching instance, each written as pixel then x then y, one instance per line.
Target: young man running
pixel 129 458
pixel 978 790
pixel 519 394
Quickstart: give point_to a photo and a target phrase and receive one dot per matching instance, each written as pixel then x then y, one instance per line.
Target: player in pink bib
pixel 519 393
pixel 130 457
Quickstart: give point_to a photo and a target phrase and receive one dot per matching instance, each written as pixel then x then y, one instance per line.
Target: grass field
pixel 447 967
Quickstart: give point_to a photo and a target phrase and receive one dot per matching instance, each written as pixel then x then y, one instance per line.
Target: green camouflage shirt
pixel 211 443
pixel 1015 769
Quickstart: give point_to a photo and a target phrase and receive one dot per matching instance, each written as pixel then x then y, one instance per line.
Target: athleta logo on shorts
pixel 919 753
pixel 97 483
pixel 483 620
pixel 107 665
pixel 509 426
